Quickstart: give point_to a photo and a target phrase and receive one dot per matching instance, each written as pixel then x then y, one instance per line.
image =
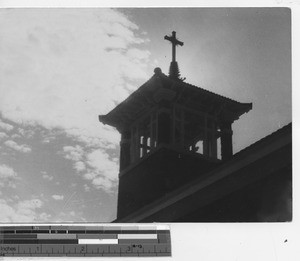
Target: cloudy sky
pixel 61 68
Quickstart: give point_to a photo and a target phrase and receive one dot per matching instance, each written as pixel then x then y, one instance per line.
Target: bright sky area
pixel 61 68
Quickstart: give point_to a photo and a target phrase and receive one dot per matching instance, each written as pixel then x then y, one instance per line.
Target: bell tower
pixel 171 133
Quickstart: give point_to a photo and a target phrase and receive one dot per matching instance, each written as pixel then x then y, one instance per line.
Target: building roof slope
pixel 234 169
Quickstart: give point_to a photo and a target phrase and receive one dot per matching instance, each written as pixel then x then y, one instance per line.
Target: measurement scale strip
pixel 74 239
pixel 85 241
pixel 84 249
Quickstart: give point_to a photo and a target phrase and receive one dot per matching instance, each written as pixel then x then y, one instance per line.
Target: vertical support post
pixel 125 150
pixel 213 141
pixel 226 140
pixel 152 131
pixel 138 142
pixel 144 145
pixel 132 144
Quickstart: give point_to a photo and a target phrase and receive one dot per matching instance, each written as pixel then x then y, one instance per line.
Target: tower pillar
pixel 226 140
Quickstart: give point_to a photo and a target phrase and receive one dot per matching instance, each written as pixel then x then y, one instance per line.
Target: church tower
pixel 171 133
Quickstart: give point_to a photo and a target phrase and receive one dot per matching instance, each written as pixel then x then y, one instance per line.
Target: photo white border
pixel 201 241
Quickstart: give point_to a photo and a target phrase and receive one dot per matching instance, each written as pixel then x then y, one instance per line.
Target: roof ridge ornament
pixel 174 69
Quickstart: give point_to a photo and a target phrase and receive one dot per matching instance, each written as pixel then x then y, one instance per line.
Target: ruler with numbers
pixel 87 240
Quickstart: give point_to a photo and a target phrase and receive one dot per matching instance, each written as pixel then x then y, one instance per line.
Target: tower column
pixel 125 150
pixel 226 140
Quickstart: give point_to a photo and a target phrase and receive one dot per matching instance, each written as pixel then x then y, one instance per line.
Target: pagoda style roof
pixel 160 86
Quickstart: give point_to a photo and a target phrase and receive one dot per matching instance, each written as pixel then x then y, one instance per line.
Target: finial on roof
pixel 174 70
pixel 157 71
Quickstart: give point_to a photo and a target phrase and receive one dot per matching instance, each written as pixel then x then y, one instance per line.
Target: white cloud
pixel 7 172
pixel 86 188
pixel 79 166
pixel 99 168
pixel 30 204
pixel 8 176
pixel 65 74
pixel 58 197
pixel 95 165
pixel 13 145
pixel 89 175
pixel 23 211
pixel 63 71
pixel 16 136
pixel 100 162
pixel 70 216
pixel 26 133
pixel 102 171
pixel 3 135
pixel 46 176
pixel 44 217
pixel 48 139
pixel 73 153
pixel 6 126
pixel 102 182
pixel 138 54
pixel 16 197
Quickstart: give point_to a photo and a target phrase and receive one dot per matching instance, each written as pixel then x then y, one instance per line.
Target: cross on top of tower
pixel 174 70
pixel 174 42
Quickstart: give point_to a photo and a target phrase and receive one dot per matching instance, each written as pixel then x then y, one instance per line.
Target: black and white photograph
pixel 145 115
